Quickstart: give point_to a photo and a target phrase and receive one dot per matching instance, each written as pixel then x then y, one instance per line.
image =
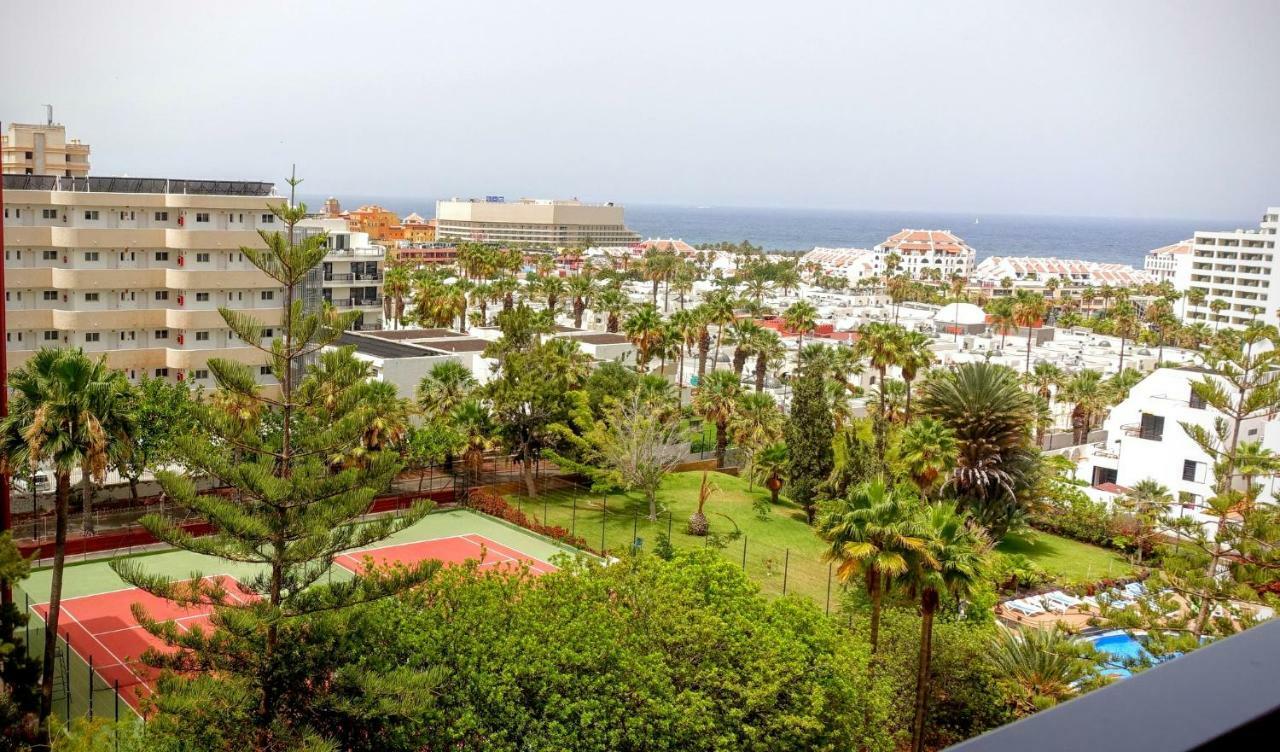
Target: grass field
pixel 1067 559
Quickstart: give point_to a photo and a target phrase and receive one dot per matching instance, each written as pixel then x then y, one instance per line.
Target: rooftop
pixel 138 185
pixel 923 241
pixel 381 348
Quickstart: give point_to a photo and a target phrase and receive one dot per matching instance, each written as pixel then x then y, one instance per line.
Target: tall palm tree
pixel 1125 318
pixel 1029 310
pixel 445 386
pixel 1252 460
pixel 644 328
pixel 719 307
pixel 1088 397
pixel 613 302
pixel 927 450
pixel 1218 305
pixel 582 290
pixel 881 344
pixel 396 285
pixel 684 323
pixel 69 413
pixel 801 317
pixel 915 356
pixel 1000 311
pixel 473 422
pixel 757 423
pixel 716 400
pixel 872 534
pixel 744 335
pixel 769 349
pixel 951 564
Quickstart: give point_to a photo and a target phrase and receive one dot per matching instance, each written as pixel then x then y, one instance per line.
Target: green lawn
pixel 1067 559
pixel 780 550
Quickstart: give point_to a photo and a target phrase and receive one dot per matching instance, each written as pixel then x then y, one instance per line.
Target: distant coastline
pixel 1086 238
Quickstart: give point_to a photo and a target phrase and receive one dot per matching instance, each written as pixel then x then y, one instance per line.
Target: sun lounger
pixel 1025 608
pixel 1135 589
pixel 1057 607
pixel 1068 601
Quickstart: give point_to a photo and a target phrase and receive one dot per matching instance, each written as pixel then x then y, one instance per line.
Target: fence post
pixel 66 671
pixel 635 529
pixel 573 524
pixel 828 588
pixel 91 686
pixel 786 567
pixel 670 518
pixel 544 510
pixel 26 598
pixel 604 510
pixel 744 553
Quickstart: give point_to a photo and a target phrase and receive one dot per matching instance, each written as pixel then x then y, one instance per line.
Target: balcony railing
pixel 1137 430
pixel 357 302
pixel 1224 696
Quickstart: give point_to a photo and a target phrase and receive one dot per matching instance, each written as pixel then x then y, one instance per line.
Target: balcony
pixel 1225 696
pixel 356 302
pixel 1144 432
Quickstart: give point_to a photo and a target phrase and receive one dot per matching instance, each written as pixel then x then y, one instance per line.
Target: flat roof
pixel 95 184
pixel 395 334
pixel 469 344
pixel 381 348
pixel 601 339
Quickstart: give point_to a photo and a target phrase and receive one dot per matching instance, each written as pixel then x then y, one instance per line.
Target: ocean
pixel 1088 238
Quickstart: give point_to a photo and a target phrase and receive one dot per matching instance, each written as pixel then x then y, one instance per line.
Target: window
pixel 202 297
pixel 162 255
pixel 264 370
pixel 162 373
pixel 91 297
pixel 202 216
pixel 202 336
pixel 92 336
pixel 202 258
pixel 48 255
pixel 268 332
pixel 90 255
pixel 91 214
pixel 200 374
pixel 50 294
pixel 268 295
pixel 162 294
pixel 50 335
pixel 1196 401
pixel 162 216
pixel 268 219
pixel 162 334
pixel 1103 475
pixel 1193 471
pixel 1151 428
pixel 48 213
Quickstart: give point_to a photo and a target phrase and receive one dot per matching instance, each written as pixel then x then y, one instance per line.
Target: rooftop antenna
pixel 48 114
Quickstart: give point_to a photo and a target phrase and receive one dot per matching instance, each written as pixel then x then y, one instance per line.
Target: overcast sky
pixel 1156 108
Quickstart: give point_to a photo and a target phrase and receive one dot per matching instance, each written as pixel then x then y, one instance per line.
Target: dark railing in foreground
pixel 1225 696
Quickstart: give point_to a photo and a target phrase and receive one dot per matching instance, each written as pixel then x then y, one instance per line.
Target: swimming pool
pixel 1122 646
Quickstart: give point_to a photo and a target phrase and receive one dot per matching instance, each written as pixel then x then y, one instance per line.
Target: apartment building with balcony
pixel 924 254
pixel 136 269
pixel 1171 263
pixel 350 277
pixel 549 223
pixel 27 149
pixel 1237 267
pixel 1146 440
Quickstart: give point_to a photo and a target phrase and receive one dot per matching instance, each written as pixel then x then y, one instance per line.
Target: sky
pixel 1141 108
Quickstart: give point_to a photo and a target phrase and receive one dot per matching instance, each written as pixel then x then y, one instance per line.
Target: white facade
pixel 926 253
pixel 1237 267
pixel 854 264
pixel 1037 271
pixel 1146 440
pixel 1171 264
pixel 351 274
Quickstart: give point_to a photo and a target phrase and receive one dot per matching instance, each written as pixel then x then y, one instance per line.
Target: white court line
pixel 355 556
pixel 104 647
pixel 531 557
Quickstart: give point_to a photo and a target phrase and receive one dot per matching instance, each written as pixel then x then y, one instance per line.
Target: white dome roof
pixel 964 314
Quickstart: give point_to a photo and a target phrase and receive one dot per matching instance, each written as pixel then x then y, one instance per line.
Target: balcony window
pixel 1151 428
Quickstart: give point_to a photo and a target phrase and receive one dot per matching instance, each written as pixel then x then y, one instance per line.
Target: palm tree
pixel 881 344
pixel 871 533
pixel 716 400
pixel 801 317
pixel 1040 668
pixel 757 423
pixel 1145 502
pixel 769 468
pixel 1088 396
pixel 915 356
pixel 446 386
pixel 769 349
pixel 927 450
pixel 1253 459
pixel 69 413
pixel 951 564
pixel 682 282
pixel 1193 296
pixel 1029 311
pixel 720 312
pixel 1000 312
pixel 581 288
pixel 473 422
pixel 613 303
pixel 685 325
pixel 992 417
pixel 1125 319
pixel 396 285
pixel 644 328
pixel 1218 305
pixel 743 335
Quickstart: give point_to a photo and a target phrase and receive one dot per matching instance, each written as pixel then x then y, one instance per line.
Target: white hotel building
pixel 1172 263
pixel 919 251
pixel 1238 267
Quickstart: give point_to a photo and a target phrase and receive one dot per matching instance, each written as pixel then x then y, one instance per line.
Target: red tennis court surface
pixel 453 550
pixel 102 626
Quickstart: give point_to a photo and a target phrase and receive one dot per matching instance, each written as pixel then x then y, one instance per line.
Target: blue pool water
pixel 1122 646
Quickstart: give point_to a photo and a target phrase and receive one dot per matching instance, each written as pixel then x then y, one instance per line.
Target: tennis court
pixel 106 643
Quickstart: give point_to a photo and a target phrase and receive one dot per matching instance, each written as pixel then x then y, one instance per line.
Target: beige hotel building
pixel 553 223
pixel 135 268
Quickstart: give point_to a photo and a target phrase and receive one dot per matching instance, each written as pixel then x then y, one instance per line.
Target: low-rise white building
pixel 1172 264
pixel 920 252
pixel 858 265
pixel 1038 270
